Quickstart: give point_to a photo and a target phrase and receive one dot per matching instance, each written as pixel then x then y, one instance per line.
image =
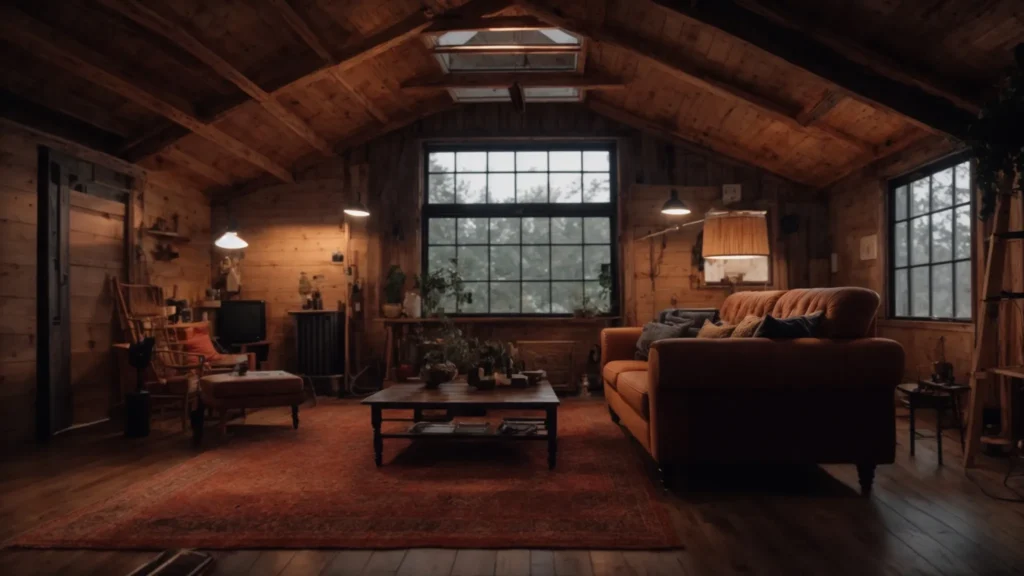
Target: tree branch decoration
pixel 997 138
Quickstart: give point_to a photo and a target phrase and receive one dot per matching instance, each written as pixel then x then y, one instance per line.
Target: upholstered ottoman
pixel 254 389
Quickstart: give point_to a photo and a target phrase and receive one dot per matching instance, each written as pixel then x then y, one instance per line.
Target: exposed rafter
pixel 505 79
pixel 299 25
pixel 75 58
pixel 176 155
pixel 828 101
pixel 897 95
pixel 875 61
pixel 147 18
pixel 671 63
pixel 709 141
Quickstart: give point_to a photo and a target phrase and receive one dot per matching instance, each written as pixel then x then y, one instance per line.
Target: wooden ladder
pixel 985 362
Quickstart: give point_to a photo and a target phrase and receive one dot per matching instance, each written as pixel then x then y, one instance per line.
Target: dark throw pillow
pixel 654 331
pixel 795 327
pixel 695 316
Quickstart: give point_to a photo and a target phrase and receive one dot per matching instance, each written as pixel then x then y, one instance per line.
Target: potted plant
pixel 998 141
pixel 437 369
pixel 394 286
pixel 448 352
pixel 441 285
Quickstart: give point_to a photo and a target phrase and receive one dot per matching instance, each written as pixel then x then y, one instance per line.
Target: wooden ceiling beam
pixel 812 114
pixel 630 42
pixel 689 135
pixel 444 25
pixel 147 18
pixel 873 60
pixel 899 96
pixel 299 25
pixel 83 62
pixel 57 122
pixel 505 79
pixel 176 155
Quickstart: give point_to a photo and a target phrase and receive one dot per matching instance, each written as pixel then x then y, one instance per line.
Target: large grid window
pixel 530 229
pixel 930 256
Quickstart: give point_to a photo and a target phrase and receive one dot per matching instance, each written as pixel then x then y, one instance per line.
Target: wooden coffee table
pixel 456 396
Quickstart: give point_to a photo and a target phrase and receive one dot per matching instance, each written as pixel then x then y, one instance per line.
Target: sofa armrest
pixel 744 363
pixel 619 343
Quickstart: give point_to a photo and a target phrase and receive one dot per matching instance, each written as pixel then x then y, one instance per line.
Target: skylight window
pixel 546 49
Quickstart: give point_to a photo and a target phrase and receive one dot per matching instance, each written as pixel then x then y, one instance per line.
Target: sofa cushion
pixel 747 327
pixel 849 311
pixel 808 326
pixel 742 304
pixel 632 387
pixel 654 331
pixel 615 368
pixel 709 330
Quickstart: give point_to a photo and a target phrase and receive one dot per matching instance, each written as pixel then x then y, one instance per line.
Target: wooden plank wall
pixel 18 159
pixel 294 228
pixel 163 196
pixel 857 209
pixel 97 255
pixel 94 257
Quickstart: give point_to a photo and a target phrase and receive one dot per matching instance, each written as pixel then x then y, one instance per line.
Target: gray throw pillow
pixel 695 316
pixel 654 331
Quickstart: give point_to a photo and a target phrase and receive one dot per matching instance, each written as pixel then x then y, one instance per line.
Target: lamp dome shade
pixel 735 235
pixel 357 210
pixel 674 206
pixel 230 241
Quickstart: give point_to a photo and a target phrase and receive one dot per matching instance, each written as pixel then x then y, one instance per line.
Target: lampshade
pixel 674 206
pixel 357 209
pixel 735 235
pixel 230 241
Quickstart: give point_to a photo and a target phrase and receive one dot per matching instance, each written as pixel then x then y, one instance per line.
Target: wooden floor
pixel 920 519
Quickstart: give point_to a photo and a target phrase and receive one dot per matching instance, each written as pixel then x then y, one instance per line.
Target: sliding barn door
pixel 97 255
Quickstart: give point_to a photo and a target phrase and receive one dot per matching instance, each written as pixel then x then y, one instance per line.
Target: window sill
pixel 940 325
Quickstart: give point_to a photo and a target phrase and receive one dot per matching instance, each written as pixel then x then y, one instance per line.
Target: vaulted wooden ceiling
pixel 227 92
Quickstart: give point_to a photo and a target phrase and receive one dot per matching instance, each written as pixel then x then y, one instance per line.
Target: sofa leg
pixel 866 475
pixel 295 416
pixel 615 417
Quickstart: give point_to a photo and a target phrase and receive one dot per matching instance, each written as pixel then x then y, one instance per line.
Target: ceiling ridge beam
pixel 926 110
pixel 147 18
pixel 457 24
pixel 505 79
pixel 83 62
pixel 630 42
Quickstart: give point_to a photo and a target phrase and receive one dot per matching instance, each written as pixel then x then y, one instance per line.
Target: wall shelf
pixel 171 236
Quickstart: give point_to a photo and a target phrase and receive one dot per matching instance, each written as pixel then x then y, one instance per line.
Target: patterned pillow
pixel 747 327
pixel 710 330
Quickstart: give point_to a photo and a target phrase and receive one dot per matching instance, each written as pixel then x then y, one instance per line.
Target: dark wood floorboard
pixel 921 519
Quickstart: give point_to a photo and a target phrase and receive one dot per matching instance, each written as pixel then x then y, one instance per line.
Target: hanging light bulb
pixel 230 239
pixel 674 206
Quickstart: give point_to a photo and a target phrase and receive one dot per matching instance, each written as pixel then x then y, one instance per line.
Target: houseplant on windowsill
pixel 394 286
pixel 439 286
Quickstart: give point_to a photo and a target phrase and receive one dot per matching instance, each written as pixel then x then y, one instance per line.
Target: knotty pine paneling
pixel 295 227
pixel 163 196
pixel 856 208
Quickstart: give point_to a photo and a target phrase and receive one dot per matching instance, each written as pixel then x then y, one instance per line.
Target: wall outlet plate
pixel 732 193
pixel 869 247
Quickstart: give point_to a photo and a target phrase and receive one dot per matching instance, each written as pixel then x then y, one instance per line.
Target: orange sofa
pixel 805 400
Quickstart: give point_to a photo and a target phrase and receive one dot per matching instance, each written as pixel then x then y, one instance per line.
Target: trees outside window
pixel 930 242
pixel 530 229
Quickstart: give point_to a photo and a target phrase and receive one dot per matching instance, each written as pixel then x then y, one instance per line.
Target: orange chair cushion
pixel 199 342
pixel 613 369
pixel 632 387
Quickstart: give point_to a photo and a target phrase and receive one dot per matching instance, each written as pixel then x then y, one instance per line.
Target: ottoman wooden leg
pixel 295 416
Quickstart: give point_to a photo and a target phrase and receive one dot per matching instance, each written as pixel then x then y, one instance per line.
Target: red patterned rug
pixel 271 486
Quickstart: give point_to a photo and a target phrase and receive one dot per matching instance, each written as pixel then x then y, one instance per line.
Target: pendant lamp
pixel 230 240
pixel 674 206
